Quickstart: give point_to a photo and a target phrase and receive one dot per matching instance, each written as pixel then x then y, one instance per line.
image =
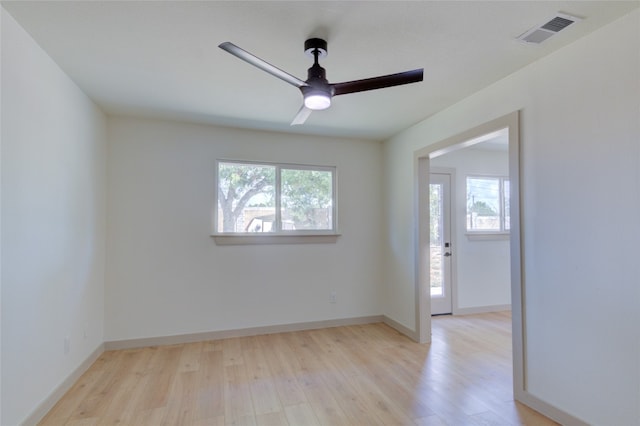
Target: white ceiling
pixel 161 59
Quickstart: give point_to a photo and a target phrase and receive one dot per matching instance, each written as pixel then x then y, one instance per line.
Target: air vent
pixel 552 27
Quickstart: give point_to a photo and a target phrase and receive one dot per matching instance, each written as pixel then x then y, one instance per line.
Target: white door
pixel 440 242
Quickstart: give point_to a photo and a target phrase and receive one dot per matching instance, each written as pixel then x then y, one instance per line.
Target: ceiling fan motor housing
pixel 313 44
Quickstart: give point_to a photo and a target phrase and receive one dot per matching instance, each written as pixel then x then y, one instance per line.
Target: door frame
pixel 421 215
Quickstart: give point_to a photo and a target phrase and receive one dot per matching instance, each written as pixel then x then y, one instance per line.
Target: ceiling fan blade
pixel 263 65
pixel 301 116
pixel 381 82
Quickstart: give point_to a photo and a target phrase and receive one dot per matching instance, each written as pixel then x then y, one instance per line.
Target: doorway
pixel 423 246
pixel 475 266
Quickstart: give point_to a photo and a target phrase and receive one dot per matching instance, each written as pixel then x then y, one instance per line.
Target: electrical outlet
pixel 333 297
pixel 67 344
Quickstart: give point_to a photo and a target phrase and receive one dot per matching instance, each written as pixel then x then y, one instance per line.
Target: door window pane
pixel 436 234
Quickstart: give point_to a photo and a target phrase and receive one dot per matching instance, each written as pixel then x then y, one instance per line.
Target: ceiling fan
pixel 316 90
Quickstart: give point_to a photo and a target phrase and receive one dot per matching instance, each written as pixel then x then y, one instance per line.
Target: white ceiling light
pixel 317 100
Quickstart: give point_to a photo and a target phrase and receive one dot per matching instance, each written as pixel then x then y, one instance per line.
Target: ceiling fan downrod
pixel 317 48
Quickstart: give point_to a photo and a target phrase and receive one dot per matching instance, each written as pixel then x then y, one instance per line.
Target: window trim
pixel 279 236
pixel 229 239
pixel 481 234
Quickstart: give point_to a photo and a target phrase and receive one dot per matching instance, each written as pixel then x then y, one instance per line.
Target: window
pixel 275 199
pixel 487 204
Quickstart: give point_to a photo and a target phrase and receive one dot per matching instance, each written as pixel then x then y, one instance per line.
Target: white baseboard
pixel 242 332
pixel 47 404
pixel 548 410
pixel 481 309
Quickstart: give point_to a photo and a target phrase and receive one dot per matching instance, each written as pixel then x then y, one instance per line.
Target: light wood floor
pixel 355 375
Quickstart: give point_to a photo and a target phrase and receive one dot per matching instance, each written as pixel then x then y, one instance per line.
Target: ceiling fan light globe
pixel 317 101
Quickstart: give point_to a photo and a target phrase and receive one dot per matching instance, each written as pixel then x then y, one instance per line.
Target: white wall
pixel 165 274
pixel 53 224
pixel 1 33
pixel 482 272
pixel 580 190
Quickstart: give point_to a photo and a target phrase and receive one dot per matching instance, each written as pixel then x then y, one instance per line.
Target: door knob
pixel 447 254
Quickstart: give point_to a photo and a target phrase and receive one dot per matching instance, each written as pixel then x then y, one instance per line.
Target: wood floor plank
pixel 117 367
pixel 352 403
pixel 432 420
pixel 381 373
pixel 89 421
pixel 162 369
pixel 190 357
pixel 213 421
pixel 301 414
pixel 308 372
pixel 355 375
pixel 124 405
pixel 238 404
pixel 272 419
pixel 278 356
pixel 232 350
pixel 262 386
pixel 212 345
pixel 339 351
pixel 152 417
pixel 80 391
pixel 182 400
pixel 210 399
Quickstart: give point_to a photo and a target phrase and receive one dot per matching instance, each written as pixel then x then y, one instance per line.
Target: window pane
pixel 306 199
pixel 246 198
pixel 436 227
pixel 507 209
pixel 483 204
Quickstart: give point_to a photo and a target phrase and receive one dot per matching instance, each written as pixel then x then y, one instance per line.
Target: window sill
pixel 244 239
pixel 487 236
